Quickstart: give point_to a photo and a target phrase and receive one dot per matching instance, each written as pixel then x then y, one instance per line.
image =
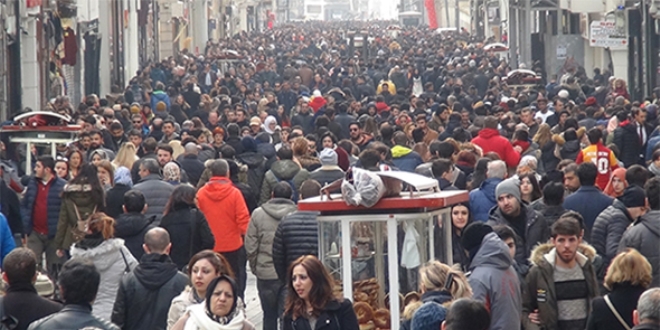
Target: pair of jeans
pixel 269 294
pixel 238 261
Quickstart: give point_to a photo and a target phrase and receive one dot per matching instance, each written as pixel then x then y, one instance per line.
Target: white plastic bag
pixel 367 188
pixel 410 253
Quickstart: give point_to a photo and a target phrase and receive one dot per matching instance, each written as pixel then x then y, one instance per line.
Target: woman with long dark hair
pixel 529 187
pixel 310 299
pixel 81 197
pixel 479 175
pixel 188 228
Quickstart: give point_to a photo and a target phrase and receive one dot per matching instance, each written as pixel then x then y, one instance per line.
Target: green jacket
pixel 540 282
pixel 74 195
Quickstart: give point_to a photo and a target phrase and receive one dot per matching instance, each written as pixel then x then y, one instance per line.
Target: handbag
pixel 80 230
pixel 616 314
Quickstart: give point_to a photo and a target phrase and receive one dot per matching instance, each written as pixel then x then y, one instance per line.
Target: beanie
pixel 473 235
pixel 249 144
pixel 633 196
pixel 429 316
pixel 509 186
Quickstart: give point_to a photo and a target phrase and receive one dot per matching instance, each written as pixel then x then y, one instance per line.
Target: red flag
pixel 430 9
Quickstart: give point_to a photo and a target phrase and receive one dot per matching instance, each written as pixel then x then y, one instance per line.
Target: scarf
pixel 91 241
pixel 123 176
pixel 654 169
pixel 200 319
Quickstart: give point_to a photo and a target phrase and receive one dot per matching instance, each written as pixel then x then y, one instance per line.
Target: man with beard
pixel 96 139
pixel 564 303
pixel 361 139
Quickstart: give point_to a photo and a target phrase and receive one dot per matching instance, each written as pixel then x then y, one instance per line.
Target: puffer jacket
pixel 74 195
pixel 297 235
pixel 644 236
pixel 540 279
pixel 537 231
pixel 54 205
pixel 131 227
pixel 282 170
pixel 608 230
pixel 156 193
pixel 483 199
pixel 405 158
pixel 260 234
pixel 570 150
pixel 256 169
pixel 110 262
pixel 495 283
pixel 145 295
pixel 184 243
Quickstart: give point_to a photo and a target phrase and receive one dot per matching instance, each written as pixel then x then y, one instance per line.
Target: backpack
pixel 294 190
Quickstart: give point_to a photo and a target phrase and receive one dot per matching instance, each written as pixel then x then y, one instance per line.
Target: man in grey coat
pixel 493 279
pixel 259 248
pixel 156 192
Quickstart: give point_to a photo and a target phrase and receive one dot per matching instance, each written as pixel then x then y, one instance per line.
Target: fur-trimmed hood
pixel 104 255
pixel 78 187
pixel 547 251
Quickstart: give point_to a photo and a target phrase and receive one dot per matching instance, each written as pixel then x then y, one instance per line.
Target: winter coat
pixel 282 170
pixel 306 121
pixel 54 205
pixel 114 200
pixel 228 217
pixel 624 297
pixel 193 167
pixel 489 139
pixel 337 315
pixel 73 317
pixel 626 138
pixel 260 234
pixel 158 96
pixel 548 159
pixel 589 201
pixel 344 120
pixel 327 175
pixel 297 235
pixel 144 295
pixel 23 303
pixel 644 236
pixel 179 304
pixel 483 199
pixel 608 230
pixel 131 227
pixel 540 279
pixel 11 208
pixel 405 158
pixel 7 243
pixel 156 193
pixel 74 195
pixel 495 283
pixel 537 231
pixel 268 151
pixel 111 259
pixel 570 149
pixel 178 224
pixel 256 169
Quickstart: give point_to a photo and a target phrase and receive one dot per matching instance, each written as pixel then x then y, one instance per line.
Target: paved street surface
pixel 253 306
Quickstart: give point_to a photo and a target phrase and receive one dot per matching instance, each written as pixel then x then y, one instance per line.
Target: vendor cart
pixel 374 254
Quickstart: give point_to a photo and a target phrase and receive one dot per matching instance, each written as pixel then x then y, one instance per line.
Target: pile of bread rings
pixel 370 316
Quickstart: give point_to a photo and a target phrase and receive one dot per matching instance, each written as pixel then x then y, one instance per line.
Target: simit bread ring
pixel 364 312
pixel 382 318
pixel 367 326
pixel 360 296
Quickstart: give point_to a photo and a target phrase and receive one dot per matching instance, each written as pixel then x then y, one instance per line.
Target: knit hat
pixel 249 144
pixel 161 106
pixel 429 316
pixel 135 108
pixel 509 186
pixel 591 101
pixel 44 286
pixel 633 196
pixel 328 157
pixel 474 234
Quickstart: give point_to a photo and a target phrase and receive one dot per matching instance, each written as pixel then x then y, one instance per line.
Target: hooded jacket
pixel 405 158
pixel 144 295
pixel 158 96
pixel 483 199
pixel 495 283
pixel 537 231
pixel 260 234
pixel 489 139
pixel 540 280
pixel 256 168
pixel 156 194
pixel 608 230
pixel 131 227
pixel 282 170
pixel 111 264
pixel 644 236
pixel 78 194
pixel 225 210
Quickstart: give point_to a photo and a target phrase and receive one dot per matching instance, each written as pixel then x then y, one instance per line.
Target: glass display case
pixel 374 254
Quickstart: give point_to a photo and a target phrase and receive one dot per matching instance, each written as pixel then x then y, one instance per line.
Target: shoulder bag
pixel 616 314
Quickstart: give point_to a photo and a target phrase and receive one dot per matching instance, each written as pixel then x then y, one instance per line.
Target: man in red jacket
pixel 225 210
pixel 489 139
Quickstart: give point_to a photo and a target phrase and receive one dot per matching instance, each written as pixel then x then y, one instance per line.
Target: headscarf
pixel 123 176
pixel 171 172
pixel 621 174
pixel 267 122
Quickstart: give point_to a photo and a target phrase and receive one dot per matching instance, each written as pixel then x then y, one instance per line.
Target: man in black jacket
pixel 132 225
pixel 79 282
pixel 22 303
pixel 11 208
pixel 191 163
pixel 145 295
pixel 631 137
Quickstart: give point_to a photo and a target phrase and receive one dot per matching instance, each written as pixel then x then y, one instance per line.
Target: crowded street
pixel 330 164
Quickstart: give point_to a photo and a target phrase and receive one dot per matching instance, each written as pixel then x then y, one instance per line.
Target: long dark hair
pixel 479 174
pixel 321 293
pixel 88 174
pixel 536 189
pixel 183 196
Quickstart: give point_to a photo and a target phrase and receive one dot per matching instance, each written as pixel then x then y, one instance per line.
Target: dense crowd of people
pixel 181 182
